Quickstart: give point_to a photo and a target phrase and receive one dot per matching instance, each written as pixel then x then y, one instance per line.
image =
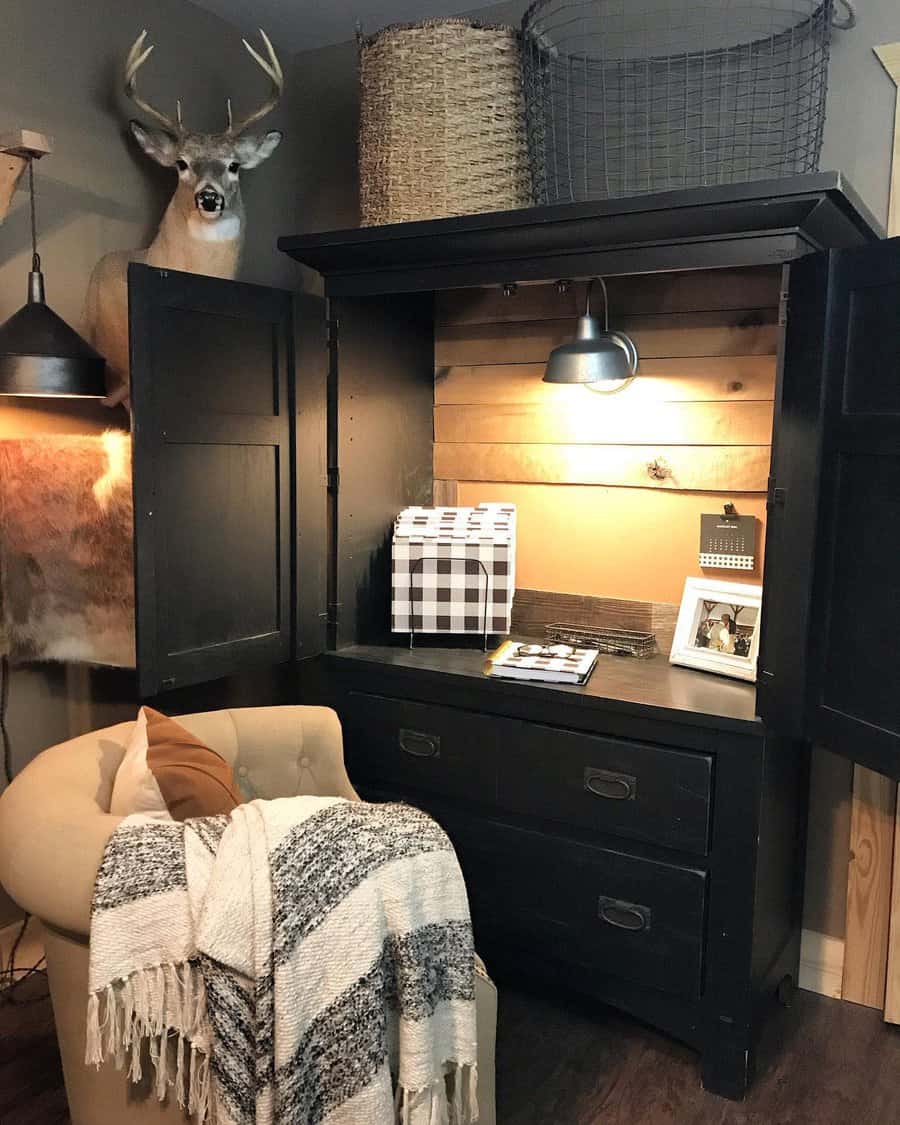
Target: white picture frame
pixel 716 622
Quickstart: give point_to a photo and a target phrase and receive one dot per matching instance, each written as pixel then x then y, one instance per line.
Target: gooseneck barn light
pixel 40 355
pixel 596 356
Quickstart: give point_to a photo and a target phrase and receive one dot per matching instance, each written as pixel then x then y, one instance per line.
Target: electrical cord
pixel 4 730
pixel 12 977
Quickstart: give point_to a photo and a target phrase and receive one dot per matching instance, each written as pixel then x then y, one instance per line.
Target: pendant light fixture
pixel 597 357
pixel 40 355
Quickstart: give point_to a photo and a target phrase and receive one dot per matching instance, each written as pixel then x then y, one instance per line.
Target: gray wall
pixel 860 107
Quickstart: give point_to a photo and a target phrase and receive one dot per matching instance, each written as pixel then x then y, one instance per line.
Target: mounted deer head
pixel 208 164
pixel 202 230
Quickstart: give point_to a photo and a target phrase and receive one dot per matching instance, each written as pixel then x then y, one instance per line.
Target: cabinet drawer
pixel 435 749
pixel 623 788
pixel 605 911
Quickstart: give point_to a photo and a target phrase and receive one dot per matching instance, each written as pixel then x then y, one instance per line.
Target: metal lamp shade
pixel 595 356
pixel 40 355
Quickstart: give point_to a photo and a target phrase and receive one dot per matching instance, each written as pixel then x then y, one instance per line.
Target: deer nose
pixel 209 200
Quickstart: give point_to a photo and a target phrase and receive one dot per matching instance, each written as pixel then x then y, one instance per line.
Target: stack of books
pixel 551 663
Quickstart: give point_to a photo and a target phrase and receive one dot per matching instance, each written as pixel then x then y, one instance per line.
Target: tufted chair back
pixel 55 820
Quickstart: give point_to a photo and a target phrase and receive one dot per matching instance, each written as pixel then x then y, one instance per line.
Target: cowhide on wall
pixel 66 531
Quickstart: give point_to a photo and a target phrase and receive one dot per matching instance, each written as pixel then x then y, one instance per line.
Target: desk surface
pixel 617 683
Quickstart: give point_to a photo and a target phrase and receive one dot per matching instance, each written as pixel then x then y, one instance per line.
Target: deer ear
pixel 252 151
pixel 158 145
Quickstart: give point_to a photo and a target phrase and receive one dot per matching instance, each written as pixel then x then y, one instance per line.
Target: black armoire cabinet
pixel 639 839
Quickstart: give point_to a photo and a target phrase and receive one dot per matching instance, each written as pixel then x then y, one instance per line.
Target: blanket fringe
pixel 164 1006
pixel 452 1100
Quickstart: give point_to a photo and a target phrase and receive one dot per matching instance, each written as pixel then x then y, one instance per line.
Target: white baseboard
pixel 821 963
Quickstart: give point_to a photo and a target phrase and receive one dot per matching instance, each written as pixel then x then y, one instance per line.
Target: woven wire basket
pixel 442 122
pixel 627 97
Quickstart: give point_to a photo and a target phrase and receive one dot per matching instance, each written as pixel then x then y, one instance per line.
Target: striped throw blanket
pixel 301 961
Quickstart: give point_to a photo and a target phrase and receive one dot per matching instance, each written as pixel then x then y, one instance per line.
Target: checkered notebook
pixel 508 662
pixel 453 569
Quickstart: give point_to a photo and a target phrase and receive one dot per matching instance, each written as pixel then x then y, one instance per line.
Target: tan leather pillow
pixel 169 774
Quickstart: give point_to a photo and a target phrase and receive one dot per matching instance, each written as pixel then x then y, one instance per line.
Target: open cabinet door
pixel 853 701
pixel 212 432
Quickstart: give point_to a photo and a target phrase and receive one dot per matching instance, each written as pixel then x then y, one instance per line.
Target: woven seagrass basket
pixel 442 122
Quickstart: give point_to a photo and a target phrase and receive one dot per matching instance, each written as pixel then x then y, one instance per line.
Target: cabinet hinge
pixel 783 310
pixel 332 614
pixel 331 332
pixel 334 478
pixel 774 495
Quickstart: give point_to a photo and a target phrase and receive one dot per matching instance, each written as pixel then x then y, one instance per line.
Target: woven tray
pixel 619 642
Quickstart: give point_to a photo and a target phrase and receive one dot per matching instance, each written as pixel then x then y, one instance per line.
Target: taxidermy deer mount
pixel 202 230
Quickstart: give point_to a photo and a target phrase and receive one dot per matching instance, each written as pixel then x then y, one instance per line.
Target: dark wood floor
pixel 31 1085
pixel 822 1062
pixel 559 1063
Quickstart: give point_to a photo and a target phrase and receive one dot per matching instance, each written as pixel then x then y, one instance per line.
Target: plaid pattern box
pixel 453 569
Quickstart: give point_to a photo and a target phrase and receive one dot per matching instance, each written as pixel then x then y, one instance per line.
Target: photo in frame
pixel 718 628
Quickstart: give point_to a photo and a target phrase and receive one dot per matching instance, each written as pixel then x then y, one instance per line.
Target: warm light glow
pixel 609 386
pixel 117 447
pixel 45 394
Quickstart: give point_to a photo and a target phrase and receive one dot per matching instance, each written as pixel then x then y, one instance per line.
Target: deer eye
pixel 234 167
pixel 181 165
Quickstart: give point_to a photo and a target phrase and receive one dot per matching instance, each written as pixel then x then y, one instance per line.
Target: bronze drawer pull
pixel 612 786
pixel 624 915
pixel 418 744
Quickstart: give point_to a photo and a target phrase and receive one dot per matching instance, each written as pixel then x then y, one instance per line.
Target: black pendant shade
pixel 40 355
pixel 597 355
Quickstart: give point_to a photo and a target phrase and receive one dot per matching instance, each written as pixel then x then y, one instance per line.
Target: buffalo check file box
pixel 453 569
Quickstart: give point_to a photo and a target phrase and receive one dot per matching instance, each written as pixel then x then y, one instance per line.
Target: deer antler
pixel 272 67
pixel 137 56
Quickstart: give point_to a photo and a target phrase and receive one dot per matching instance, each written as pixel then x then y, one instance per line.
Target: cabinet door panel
pixel 212 385
pixel 854 704
pixel 792 509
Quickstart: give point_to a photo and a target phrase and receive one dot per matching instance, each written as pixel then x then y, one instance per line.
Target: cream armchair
pixel 54 824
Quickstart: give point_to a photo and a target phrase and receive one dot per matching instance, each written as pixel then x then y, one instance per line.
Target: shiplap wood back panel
pixel 593 421
pixel 592 520
pixel 628 543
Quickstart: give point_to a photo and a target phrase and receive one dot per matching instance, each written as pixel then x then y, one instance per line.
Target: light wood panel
pixel 444 493
pixel 698 379
pixel 732 332
pixel 653 293
pixel 11 169
pixel 609 422
pixel 632 543
pixel 731 469
pixel 869 887
pixel 892 983
pixel 534 609
pixel 16 147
